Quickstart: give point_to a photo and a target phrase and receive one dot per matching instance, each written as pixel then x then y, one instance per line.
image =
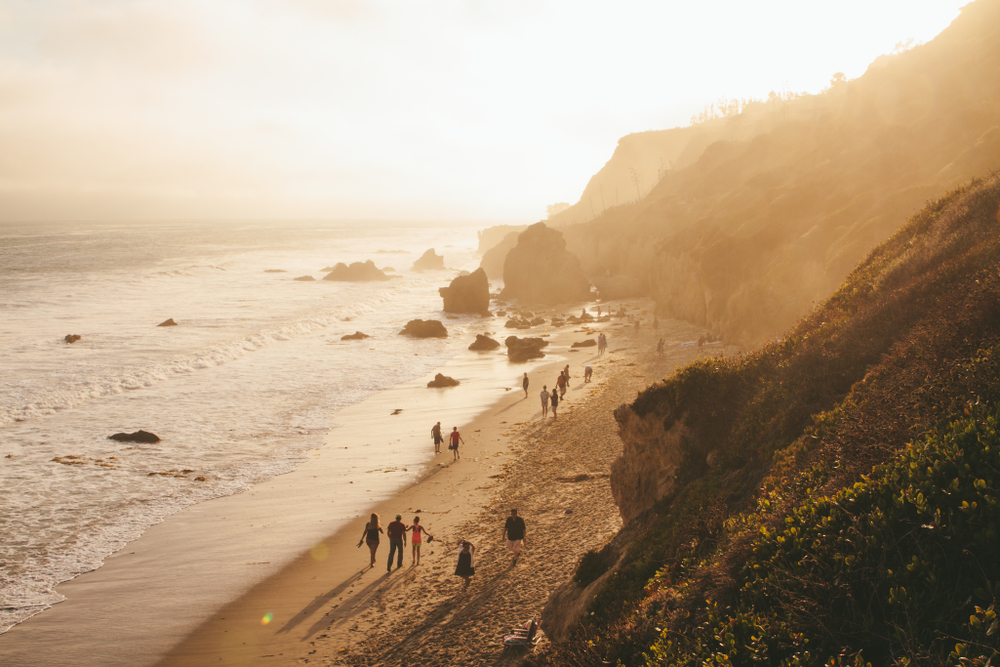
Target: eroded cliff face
pixel 650 456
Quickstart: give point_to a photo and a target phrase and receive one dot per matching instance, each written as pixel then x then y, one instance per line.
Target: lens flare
pixel 320 552
pixel 267 618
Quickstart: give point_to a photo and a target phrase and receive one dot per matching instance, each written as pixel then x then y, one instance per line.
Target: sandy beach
pixel 156 602
pixel 335 610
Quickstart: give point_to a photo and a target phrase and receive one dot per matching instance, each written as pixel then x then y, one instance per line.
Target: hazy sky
pixel 434 110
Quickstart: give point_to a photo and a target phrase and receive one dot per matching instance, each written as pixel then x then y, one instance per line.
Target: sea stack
pixel 356 272
pixel 429 261
pixel 539 269
pixel 467 294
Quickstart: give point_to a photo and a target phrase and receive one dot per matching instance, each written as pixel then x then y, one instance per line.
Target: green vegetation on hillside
pixel 850 508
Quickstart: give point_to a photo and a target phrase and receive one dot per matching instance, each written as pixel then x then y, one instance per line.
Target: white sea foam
pixel 239 391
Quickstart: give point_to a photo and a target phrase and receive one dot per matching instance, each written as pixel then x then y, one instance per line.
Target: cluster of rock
pixel 429 261
pixel 520 350
pixel 539 269
pixel 72 338
pixel 356 272
pixel 484 344
pixel 467 294
pixel 424 329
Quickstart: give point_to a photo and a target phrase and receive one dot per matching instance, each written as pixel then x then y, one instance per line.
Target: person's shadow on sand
pixel 321 600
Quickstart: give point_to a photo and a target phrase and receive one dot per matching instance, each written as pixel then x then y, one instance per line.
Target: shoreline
pixel 151 594
pixel 346 613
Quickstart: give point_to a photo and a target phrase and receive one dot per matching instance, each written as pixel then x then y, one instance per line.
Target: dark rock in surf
pixel 138 436
pixel 72 338
pixel 484 344
pixel 442 381
pixel 357 335
pixel 429 261
pixel 167 323
pixel 305 279
pixel 517 323
pixel 356 272
pixel 520 350
pixel 467 294
pixel 424 329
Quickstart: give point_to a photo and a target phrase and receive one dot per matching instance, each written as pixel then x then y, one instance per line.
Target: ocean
pixel 239 391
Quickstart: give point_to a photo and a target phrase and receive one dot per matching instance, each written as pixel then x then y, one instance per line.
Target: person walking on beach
pixel 456 438
pixel 466 561
pixel 515 532
pixel 417 539
pixel 659 348
pixel 587 372
pixel 524 383
pixel 438 438
pixel 545 401
pixel 370 536
pixel 561 383
pixel 555 402
pixel 396 532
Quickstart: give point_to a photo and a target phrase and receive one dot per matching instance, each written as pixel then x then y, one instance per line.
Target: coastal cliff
pixel 835 490
pixel 777 201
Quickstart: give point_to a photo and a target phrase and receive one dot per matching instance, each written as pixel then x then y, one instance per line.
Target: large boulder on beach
pixel 467 294
pixel 72 338
pixel 523 349
pixel 517 323
pixel 539 269
pixel 356 272
pixel 357 335
pixel 442 381
pixel 167 323
pixel 138 436
pixel 429 261
pixel 484 344
pixel 424 329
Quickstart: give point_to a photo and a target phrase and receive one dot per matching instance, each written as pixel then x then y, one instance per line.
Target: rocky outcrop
pixel 356 272
pixel 467 294
pixel 494 258
pixel 520 350
pixel 484 344
pixel 167 323
pixel 357 335
pixel 424 329
pixel 517 323
pixel 72 338
pixel 304 279
pixel 590 342
pixel 442 381
pixel 138 436
pixel 644 472
pixel 540 269
pixel 429 261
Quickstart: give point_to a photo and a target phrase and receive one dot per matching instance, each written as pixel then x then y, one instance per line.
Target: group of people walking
pixel 514 534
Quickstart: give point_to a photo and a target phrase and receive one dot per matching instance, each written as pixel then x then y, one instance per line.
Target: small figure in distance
pixel 466 561
pixel 659 348
pixel 561 383
pixel 515 532
pixel 396 532
pixel 587 372
pixel 418 537
pixel 438 438
pixel 456 438
pixel 370 536
pixel 598 311
pixel 524 383
pixel 554 397
pixel 545 401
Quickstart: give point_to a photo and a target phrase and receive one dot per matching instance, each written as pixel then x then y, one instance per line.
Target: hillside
pixel 830 499
pixel 782 204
